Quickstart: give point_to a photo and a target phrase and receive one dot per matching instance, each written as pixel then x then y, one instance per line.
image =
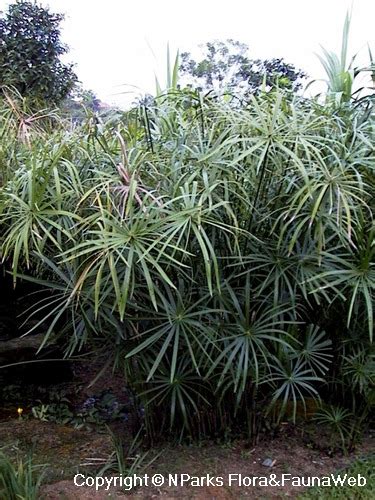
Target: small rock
pixel 317 462
pixel 268 462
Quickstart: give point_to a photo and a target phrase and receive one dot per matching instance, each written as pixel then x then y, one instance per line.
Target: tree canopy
pixel 30 53
pixel 227 65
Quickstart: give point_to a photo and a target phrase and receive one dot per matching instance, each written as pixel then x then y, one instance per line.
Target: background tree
pixel 79 103
pixel 30 52
pixel 226 65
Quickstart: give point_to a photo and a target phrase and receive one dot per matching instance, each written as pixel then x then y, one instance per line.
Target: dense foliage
pixel 223 256
pixel 30 53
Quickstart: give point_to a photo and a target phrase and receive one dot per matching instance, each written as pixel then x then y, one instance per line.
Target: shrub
pixel 221 254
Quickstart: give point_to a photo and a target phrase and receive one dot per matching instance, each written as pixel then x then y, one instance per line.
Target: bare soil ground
pixel 67 450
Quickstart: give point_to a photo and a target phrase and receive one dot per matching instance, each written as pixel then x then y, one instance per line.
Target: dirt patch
pixel 67 450
pixel 288 451
pixel 63 449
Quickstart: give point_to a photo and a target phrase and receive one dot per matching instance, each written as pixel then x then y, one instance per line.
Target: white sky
pixel 118 44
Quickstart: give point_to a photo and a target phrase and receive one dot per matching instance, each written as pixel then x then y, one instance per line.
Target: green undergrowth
pixel 364 467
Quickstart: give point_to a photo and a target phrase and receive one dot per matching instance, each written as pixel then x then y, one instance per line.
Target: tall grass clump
pixel 221 254
pixel 20 480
